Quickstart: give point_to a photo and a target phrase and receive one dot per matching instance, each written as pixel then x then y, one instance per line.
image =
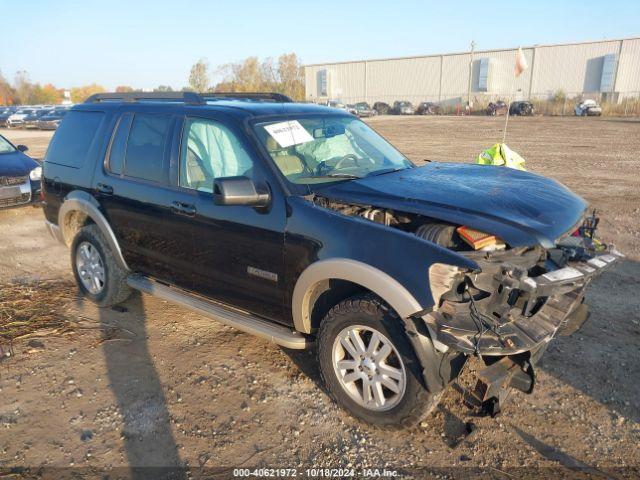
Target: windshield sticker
pixel 289 133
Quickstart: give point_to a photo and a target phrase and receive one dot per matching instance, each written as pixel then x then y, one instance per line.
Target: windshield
pixel 320 150
pixel 5 146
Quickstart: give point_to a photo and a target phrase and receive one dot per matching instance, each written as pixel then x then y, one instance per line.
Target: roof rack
pixel 186 97
pixel 191 98
pixel 269 96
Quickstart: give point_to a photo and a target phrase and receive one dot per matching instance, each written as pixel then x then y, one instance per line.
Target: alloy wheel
pixel 369 368
pixel 90 267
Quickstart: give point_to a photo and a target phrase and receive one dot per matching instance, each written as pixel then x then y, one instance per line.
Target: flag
pixel 521 63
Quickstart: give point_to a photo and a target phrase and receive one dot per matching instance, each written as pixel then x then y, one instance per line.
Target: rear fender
pixel 77 205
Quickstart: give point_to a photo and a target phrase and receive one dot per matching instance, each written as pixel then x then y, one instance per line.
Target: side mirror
pixel 239 191
pixel 22 148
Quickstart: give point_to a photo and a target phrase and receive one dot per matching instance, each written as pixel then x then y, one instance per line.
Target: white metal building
pixel 607 68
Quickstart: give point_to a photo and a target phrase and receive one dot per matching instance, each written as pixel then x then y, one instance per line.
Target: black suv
pixel 300 224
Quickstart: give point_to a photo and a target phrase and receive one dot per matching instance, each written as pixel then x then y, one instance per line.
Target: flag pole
pixel 506 120
pixel 521 66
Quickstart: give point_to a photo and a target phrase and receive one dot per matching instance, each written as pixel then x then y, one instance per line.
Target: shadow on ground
pixel 147 435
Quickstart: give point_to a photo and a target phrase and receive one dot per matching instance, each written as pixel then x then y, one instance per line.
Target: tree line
pixel 282 75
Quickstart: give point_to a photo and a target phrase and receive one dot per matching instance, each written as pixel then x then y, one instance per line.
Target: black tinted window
pixel 145 147
pixel 73 138
pixel 119 144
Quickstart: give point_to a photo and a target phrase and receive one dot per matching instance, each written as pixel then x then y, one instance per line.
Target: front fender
pixel 321 245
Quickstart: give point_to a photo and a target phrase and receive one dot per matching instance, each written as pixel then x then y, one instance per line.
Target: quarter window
pixel 73 139
pixel 209 151
pixel 119 144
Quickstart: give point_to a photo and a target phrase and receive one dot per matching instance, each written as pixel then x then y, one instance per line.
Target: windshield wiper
pixel 332 175
pixel 385 170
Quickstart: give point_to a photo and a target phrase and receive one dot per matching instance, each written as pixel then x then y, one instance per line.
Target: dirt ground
pixel 156 385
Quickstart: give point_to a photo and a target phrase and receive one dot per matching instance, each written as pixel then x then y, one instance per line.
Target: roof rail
pixel 268 96
pixel 191 98
pixel 186 97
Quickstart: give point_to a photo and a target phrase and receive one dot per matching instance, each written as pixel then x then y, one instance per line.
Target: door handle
pixel 105 189
pixel 185 209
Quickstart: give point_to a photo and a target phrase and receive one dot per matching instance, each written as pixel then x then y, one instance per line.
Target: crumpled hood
pixel 16 164
pixel 522 208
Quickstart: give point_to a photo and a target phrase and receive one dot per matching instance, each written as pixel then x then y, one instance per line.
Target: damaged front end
pixel 513 303
pixel 508 310
pixel 505 311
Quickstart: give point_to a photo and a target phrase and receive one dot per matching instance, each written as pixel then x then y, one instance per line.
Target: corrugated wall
pixel 389 80
pixel 572 68
pixel 628 77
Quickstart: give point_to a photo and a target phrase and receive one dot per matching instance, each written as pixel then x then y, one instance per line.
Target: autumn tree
pixel 44 95
pixel 23 87
pixel 291 75
pixel 251 75
pixel 80 94
pixel 124 89
pixel 7 92
pixel 199 76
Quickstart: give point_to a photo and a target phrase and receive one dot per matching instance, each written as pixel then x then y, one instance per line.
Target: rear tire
pixel 398 397
pixel 97 273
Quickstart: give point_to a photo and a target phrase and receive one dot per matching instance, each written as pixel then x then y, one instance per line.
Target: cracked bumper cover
pixel 559 295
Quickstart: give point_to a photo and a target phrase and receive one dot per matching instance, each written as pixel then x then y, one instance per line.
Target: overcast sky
pixel 148 43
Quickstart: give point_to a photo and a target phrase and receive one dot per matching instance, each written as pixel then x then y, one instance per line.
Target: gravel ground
pixel 155 385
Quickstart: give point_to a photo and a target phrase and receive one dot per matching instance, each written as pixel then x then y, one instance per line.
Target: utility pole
pixel 473 46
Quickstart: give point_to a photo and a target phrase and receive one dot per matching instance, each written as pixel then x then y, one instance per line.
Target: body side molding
pixel 85 203
pixel 380 283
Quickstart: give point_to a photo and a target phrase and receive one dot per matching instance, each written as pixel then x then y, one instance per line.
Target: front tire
pixel 369 366
pixel 98 275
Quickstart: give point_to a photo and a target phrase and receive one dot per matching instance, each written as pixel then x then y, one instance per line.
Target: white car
pixel 17 119
pixel 587 108
pixel 337 104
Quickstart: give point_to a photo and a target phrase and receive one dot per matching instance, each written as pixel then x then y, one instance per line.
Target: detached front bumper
pixel 515 312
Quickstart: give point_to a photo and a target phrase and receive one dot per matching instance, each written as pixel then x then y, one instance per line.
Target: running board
pixel 245 322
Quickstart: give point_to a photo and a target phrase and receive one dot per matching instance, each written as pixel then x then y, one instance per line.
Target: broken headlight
pixel 444 278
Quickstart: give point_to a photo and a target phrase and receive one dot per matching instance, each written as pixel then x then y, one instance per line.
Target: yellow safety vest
pixel 501 155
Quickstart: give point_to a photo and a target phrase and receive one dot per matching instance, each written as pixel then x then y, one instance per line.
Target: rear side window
pixel 144 153
pixel 73 138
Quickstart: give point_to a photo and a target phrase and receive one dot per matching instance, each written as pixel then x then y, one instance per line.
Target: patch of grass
pixel 29 309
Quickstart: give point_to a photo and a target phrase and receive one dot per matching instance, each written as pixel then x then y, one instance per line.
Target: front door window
pixel 209 151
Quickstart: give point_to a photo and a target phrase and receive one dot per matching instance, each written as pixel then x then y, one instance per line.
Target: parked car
pixel 521 108
pixel 337 104
pixel 16 119
pixel 300 224
pixel 588 108
pixel 51 120
pixel 20 176
pixel 497 108
pixel 402 108
pixel 428 108
pixel 4 117
pixel 31 120
pixel 351 108
pixel 381 108
pixel 363 109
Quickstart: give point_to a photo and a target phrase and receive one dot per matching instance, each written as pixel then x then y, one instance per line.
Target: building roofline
pixel 475 52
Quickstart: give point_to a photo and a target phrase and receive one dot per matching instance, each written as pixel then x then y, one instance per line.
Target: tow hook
pixel 494 383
